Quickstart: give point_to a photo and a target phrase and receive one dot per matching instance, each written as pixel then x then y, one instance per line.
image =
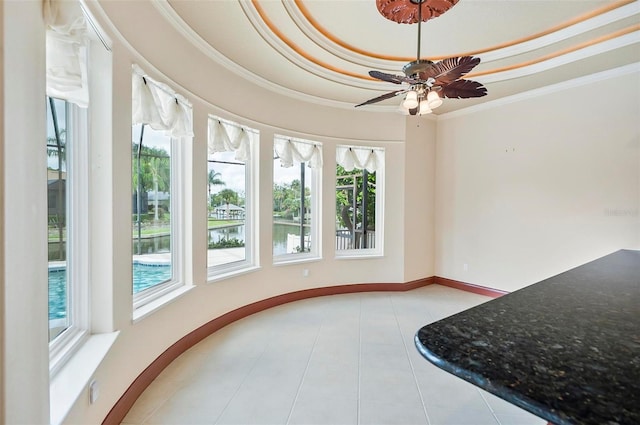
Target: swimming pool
pixel 144 276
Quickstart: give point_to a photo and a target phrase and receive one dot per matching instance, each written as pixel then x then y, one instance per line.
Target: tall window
pixel 153 228
pixel 63 224
pixel 161 120
pixel 229 190
pixel 359 200
pixel 67 99
pixel 296 193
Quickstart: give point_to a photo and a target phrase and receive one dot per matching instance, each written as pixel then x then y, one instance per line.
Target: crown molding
pixel 544 91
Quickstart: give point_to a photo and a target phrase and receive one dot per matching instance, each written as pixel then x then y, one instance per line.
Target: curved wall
pixel 167 56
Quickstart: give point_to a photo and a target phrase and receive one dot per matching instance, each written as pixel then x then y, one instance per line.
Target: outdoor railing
pixel 346 239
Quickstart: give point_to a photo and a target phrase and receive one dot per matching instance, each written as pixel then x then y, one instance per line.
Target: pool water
pixel 144 276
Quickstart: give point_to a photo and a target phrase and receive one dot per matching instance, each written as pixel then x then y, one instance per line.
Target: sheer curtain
pixel 67 41
pixel 224 137
pixel 292 151
pixel 159 106
pixel 352 157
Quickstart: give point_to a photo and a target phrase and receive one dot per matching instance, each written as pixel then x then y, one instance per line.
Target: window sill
pixel 67 385
pixel 356 256
pixel 285 261
pixel 151 307
pixel 231 273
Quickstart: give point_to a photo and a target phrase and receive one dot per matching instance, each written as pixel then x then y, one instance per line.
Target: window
pixel 161 120
pixel 229 197
pixel 154 221
pixel 67 238
pixel 359 188
pixel 67 150
pixel 296 193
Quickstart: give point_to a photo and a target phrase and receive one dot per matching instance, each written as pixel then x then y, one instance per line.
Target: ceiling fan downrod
pixel 412 69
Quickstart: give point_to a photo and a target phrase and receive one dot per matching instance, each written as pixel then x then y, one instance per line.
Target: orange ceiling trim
pixel 330 67
pixel 298 49
pixel 305 12
pixel 601 39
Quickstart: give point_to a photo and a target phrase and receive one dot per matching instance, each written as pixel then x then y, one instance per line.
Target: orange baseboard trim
pixel 469 287
pixel 122 406
pixel 137 387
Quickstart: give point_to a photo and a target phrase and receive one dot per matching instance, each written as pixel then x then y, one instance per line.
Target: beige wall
pixel 419 198
pixel 2 366
pixel 218 92
pixel 530 189
pixel 24 329
pixel 455 170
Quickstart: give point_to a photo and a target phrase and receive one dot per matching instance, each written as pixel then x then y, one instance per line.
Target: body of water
pixel 144 276
pixel 147 275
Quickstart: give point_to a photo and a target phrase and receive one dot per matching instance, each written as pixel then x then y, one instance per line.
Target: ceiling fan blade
pixel 463 89
pixel 450 69
pixel 391 78
pixel 381 98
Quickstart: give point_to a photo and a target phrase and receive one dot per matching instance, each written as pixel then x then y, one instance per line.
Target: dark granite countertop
pixel 566 349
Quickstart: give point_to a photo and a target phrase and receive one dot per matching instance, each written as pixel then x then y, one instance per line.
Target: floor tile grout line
pixel 304 374
pixel 244 379
pixel 160 404
pixel 489 406
pixel 413 371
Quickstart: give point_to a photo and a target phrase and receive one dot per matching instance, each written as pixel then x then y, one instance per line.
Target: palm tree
pixel 214 181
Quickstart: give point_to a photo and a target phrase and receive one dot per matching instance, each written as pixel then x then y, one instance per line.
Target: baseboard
pixel 122 406
pixel 469 287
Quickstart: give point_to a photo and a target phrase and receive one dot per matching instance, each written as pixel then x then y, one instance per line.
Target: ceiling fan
pixel 428 81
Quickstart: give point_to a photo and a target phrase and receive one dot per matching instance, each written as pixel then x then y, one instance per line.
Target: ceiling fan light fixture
pixel 434 99
pixel 410 100
pixel 424 107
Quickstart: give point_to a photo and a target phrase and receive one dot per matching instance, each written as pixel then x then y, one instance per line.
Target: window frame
pixel 178 231
pixel 378 250
pixel 251 173
pixel 315 224
pixel 64 346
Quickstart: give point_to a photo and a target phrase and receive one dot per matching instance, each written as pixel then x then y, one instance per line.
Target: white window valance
pixel 292 151
pixel 225 137
pixel 351 157
pixel 66 51
pixel 158 106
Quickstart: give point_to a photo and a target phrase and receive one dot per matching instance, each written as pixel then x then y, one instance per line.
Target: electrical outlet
pixel 465 267
pixel 305 272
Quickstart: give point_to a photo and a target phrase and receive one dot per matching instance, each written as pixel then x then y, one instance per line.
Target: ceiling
pixel 321 50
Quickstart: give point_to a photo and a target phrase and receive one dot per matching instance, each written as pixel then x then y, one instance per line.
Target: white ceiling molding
pixel 183 28
pixel 283 49
pixel 544 91
pixel 353 60
pixel 579 28
pixel 583 27
pixel 321 40
pixel 584 53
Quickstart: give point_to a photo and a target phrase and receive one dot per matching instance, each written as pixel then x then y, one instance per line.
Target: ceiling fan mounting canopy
pixel 410 11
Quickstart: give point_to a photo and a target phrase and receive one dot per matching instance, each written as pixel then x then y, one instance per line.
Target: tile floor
pixel 337 360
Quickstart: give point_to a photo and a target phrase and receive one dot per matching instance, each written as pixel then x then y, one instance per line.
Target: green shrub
pixel 226 243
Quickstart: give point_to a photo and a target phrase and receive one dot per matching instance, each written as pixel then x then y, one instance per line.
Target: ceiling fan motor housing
pixel 412 69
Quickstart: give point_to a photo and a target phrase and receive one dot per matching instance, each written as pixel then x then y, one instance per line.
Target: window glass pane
pixel 290 198
pixel 294 204
pixel 355 209
pixel 226 194
pixel 57 208
pixel 151 211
